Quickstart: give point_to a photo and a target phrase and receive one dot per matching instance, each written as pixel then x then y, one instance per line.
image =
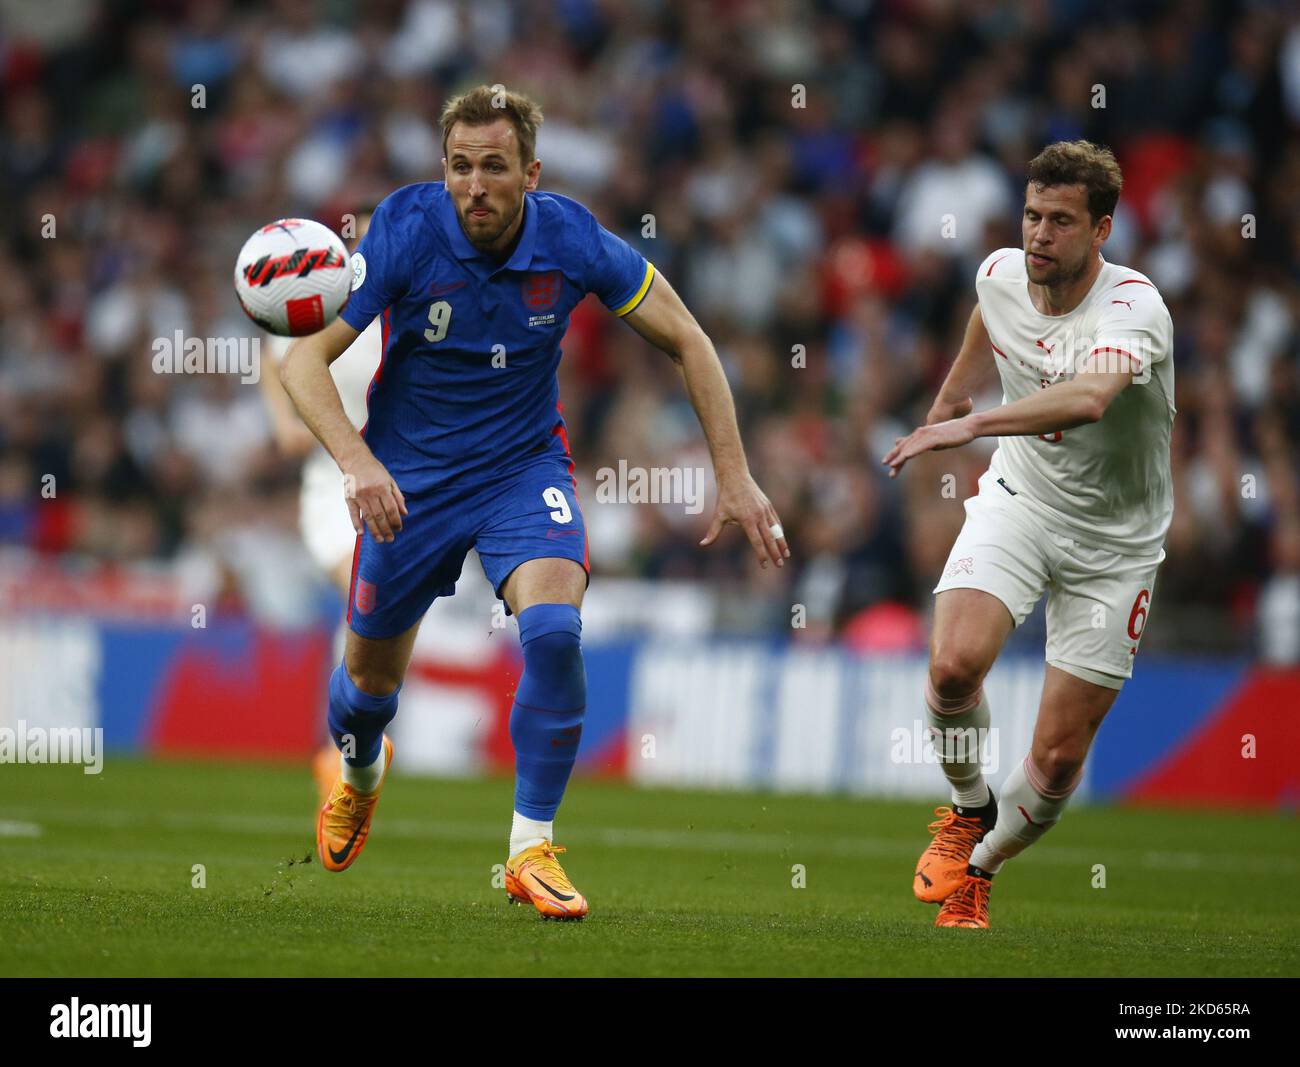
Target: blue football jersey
pixel 467 387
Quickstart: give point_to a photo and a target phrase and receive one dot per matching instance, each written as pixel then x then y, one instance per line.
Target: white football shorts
pixel 1097 599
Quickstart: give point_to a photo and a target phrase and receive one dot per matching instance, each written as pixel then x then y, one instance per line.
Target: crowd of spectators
pixel 787 164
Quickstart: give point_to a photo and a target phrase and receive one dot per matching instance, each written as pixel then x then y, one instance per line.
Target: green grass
pixel 95 879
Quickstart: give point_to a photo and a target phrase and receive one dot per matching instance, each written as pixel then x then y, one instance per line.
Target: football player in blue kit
pixel 465 447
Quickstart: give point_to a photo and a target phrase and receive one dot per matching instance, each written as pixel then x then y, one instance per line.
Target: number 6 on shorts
pixel 1137 619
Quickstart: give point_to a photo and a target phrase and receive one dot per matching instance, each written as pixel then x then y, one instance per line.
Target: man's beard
pixel 485 243
pixel 1056 275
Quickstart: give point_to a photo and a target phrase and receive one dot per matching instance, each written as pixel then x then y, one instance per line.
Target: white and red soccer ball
pixel 293 277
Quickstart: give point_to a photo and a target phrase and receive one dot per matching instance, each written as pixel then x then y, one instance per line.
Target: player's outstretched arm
pixel 663 320
pixel 967 373
pixel 373 496
pixel 1082 400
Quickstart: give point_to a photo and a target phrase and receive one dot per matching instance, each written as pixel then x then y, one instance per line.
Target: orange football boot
pixel 535 877
pixel 968 905
pixel 344 821
pixel 942 865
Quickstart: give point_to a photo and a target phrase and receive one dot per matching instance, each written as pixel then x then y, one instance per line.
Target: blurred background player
pixel 466 447
pixel 323 519
pixel 1076 503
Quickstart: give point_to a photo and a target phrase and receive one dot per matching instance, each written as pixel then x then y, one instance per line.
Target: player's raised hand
pixel 373 499
pixel 951 434
pixel 742 502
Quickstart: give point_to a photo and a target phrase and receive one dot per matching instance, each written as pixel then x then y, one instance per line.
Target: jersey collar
pixel 519 259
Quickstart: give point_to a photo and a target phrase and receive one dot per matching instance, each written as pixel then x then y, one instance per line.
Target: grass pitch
pixel 97 873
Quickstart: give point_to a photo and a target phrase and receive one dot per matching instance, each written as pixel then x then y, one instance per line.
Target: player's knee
pixel 554 676
pixel 373 680
pixel 956 672
pixel 377 684
pixel 1059 764
pixel 556 647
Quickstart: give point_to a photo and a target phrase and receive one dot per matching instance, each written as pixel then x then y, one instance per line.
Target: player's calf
pixel 1028 809
pixel 357 720
pixel 546 719
pixel 546 728
pixel 959 729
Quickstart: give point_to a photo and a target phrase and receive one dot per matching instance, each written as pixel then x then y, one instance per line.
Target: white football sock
pixel 1027 809
pixel 526 832
pixel 363 779
pixel 959 754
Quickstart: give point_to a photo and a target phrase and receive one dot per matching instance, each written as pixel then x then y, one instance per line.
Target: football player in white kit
pixel 1075 504
pixel 323 519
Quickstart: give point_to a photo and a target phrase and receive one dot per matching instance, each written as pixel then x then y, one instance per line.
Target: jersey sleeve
pixel 1134 331
pixel 616 272
pixel 381 269
pixel 991 262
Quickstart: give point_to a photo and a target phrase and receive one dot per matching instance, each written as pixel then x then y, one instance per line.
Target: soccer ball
pixel 292 277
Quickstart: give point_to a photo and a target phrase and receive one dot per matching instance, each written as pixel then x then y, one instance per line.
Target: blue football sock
pixel 359 715
pixel 550 701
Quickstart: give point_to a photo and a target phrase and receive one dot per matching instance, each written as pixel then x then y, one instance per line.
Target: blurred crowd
pixel 787 164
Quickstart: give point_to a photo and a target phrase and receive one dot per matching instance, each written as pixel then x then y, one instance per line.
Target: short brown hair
pixel 484 104
pixel 1081 163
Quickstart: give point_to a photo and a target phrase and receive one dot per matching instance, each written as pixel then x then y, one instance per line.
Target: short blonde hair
pixel 484 104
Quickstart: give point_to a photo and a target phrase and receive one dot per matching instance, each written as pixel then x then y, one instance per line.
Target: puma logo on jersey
pixel 1046 348
pixel 965 565
pixel 1127 303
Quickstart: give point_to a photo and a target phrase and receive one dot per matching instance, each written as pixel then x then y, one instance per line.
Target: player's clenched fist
pixel 373 499
pixel 742 502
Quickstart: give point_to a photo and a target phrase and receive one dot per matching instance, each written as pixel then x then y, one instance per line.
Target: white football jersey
pixel 1107 482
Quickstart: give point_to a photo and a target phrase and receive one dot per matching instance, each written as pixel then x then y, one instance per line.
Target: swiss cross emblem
pixel 365 596
pixel 541 291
